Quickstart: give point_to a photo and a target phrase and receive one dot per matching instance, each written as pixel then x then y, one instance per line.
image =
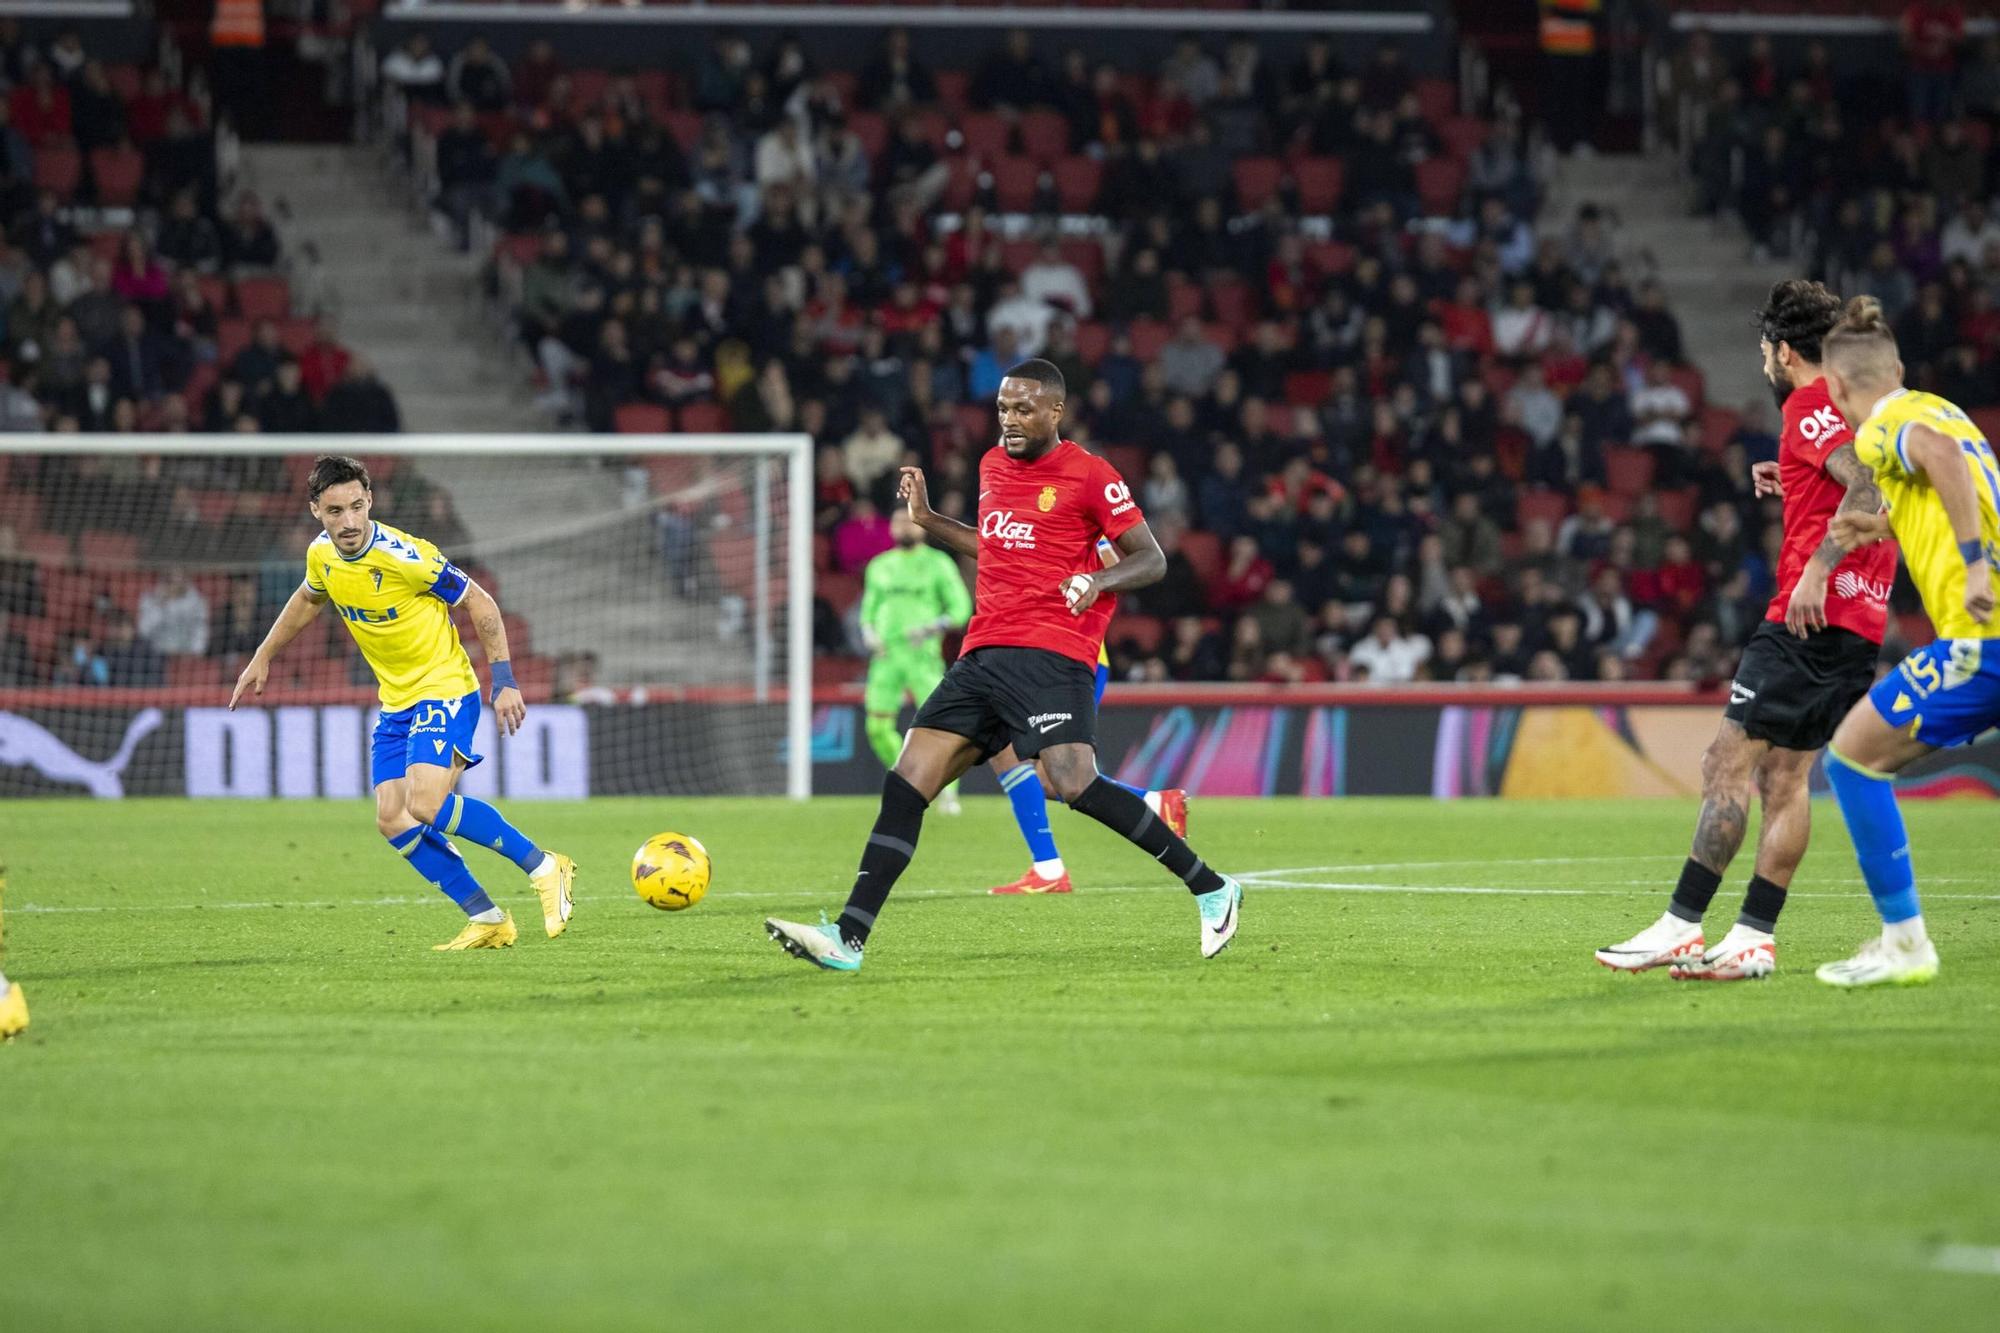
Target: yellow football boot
pixel 483 935
pixel 553 885
pixel 13 1010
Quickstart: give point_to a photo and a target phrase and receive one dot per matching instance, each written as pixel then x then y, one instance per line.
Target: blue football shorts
pixel 1945 693
pixel 430 732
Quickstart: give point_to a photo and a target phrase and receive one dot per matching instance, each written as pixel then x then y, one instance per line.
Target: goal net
pixel 657 594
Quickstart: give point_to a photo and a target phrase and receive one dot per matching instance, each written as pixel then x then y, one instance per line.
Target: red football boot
pixel 1173 809
pixel 1033 883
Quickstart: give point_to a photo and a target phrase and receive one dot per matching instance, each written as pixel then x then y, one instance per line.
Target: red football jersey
pixel 1857 596
pixel 1038 524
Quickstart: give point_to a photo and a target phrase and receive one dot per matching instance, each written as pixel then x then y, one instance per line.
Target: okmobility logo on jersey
pixel 1001 527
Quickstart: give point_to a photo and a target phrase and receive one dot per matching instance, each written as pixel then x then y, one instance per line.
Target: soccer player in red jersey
pixel 1802 670
pixel 1026 676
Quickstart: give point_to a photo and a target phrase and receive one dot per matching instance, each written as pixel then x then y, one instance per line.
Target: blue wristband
pixel 503 678
pixel 1971 552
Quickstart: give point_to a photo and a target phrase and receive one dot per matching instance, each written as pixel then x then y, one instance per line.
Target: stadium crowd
pixel 141 292
pixel 1389 422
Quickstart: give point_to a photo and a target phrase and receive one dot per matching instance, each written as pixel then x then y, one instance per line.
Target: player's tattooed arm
pixel 958 537
pixel 509 709
pixel 1863 498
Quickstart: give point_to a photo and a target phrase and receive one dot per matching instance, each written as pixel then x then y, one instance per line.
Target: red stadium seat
pixel 671 473
pixel 1307 388
pixel 872 130
pixel 1045 135
pixel 642 419
pixel 1691 383
pixel 1017 255
pixel 1184 298
pixel 1204 553
pixel 1462 135
pixel 117 172
pixel 297 335
pixel 1330 257
pixel 1256 181
pixel 1143 633
pixel 1234 302
pixel 1440 180
pixel 1718 424
pixel 1078 180
pixel 1148 337
pixel 1320 180
pixel 701 419
pixel 1629 471
pixel 58 168
pixel 986 134
pixel 840 590
pixel 963 184
pixel 1438 98
pixel 952 86
pixel 1677 507
pixel 1552 507
pixel 1129 459
pixel 845 82
pixel 685 127
pixel 263 298
pixel 1988 421
pixel 1093 340
pixel 231 337
pixel 1014 183
pixel 101 548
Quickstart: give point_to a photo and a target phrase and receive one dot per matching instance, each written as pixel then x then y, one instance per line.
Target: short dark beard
pixel 1036 449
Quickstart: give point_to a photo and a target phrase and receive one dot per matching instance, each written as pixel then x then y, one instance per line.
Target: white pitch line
pixel 1261 881
pixel 1983 1260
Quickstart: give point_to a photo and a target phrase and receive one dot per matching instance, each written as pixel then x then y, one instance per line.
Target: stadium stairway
pixel 402 299
pixel 410 305
pixel 1712 283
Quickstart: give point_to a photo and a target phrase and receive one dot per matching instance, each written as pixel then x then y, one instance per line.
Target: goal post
pixel 657 590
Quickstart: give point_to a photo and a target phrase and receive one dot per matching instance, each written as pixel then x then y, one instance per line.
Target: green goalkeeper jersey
pixel 905 588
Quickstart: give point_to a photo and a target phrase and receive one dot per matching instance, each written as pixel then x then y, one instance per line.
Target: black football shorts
pixel 1030 697
pixel 1793 692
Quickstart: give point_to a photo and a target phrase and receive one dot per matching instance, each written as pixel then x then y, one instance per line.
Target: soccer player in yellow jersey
pixel 396 593
pixel 1938 476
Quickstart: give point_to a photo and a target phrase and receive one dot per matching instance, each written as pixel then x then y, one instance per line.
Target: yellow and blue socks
pixel 476 821
pixel 439 862
pixel 1875 824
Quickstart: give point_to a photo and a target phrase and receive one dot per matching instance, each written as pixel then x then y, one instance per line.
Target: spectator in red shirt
pixel 40 108
pixel 1242 580
pixel 1679 584
pixel 324 363
pixel 1933 32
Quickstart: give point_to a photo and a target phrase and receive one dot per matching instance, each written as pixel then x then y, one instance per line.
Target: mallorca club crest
pixel 1047 500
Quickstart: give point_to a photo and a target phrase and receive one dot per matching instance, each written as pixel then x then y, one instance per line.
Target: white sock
pixel 1677 922
pixel 1908 936
pixel 1049 869
pixel 1153 801
pixel 548 864
pixel 3 983
pixel 492 916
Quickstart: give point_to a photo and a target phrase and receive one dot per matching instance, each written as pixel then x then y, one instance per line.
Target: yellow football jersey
pixel 396 597
pixel 1917 515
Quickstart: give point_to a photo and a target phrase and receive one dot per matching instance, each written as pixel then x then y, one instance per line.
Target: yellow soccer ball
pixel 670 871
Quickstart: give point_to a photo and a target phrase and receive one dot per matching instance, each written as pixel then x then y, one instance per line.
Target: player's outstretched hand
pixel 1856 530
pixel 1979 591
pixel 1080 591
pixel 252 679
pixel 1806 611
pixel 1765 480
pixel 511 710
pixel 915 491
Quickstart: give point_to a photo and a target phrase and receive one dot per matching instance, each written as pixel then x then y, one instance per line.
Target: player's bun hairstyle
pixel 1862 334
pixel 335 470
pixel 1800 313
pixel 1042 372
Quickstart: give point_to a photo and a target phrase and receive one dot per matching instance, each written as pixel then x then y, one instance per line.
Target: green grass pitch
pixel 253 1098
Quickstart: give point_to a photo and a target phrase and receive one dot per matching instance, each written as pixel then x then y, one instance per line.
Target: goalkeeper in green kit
pixel 910 595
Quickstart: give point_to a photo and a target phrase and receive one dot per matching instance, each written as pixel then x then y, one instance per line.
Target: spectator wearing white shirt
pixel 1026 316
pixel 1969 235
pixel 1538 410
pixel 785 157
pixel 1521 328
pixel 1660 412
pixel 415 70
pixel 1190 362
pixel 173 617
pixel 1388 655
pixel 1053 280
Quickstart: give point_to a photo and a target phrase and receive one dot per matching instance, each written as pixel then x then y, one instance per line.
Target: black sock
pixel 1695 891
pixel 890 847
pixel 1125 814
pixel 1762 904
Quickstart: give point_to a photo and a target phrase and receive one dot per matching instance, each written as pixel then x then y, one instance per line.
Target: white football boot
pixel 1666 941
pixel 1880 963
pixel 1743 955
